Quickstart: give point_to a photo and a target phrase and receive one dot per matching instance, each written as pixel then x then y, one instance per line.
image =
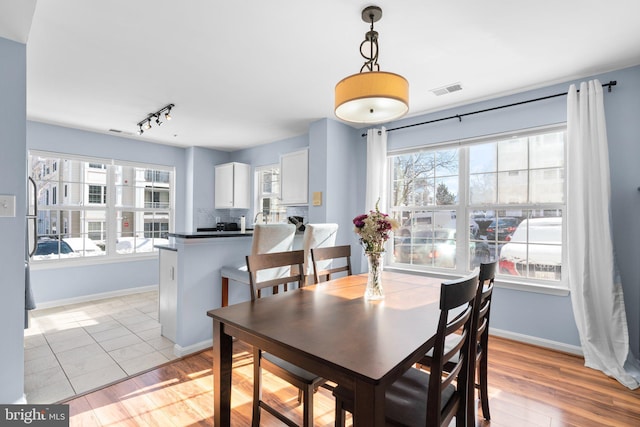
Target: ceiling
pixel 244 73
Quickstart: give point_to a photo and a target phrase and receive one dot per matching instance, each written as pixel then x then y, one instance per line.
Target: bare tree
pixel 410 169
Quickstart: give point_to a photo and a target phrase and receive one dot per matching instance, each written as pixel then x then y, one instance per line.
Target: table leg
pixel 368 405
pixel 222 364
pixel 225 291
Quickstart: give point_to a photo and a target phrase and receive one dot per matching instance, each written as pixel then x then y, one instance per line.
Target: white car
pixel 541 258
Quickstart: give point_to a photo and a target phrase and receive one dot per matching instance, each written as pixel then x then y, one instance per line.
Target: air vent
pixel 453 87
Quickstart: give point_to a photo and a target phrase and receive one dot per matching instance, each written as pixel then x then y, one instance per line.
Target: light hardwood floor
pixel 528 386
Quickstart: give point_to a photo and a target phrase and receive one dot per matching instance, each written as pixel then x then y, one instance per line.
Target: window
pixel 110 209
pixel 97 194
pixel 497 198
pixel 268 207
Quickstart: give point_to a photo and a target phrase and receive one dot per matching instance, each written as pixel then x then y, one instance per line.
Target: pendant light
pixel 371 96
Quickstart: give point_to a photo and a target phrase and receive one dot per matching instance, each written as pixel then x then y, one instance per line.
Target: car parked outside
pixel 502 228
pixel 52 248
pixel 534 250
pixel 436 248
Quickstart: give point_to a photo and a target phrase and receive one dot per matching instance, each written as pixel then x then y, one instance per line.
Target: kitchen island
pixel 190 283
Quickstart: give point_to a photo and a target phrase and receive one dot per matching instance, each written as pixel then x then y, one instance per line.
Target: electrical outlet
pixel 8 205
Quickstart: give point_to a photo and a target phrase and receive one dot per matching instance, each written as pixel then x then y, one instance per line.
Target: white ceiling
pixel 243 73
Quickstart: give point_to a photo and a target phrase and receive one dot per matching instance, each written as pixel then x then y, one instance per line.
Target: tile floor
pixel 76 348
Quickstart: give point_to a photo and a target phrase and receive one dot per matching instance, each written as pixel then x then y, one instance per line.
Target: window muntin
pixel 504 184
pixel 105 207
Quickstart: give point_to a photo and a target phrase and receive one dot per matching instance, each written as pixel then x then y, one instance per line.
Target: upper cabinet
pixel 232 186
pixel 294 175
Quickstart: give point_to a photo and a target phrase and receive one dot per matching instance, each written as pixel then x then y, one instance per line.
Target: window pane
pixel 512 154
pixel 482 158
pixel 447 191
pixel 547 151
pixel 534 250
pixel 426 238
pixel 547 186
pixel 512 187
pixel 483 188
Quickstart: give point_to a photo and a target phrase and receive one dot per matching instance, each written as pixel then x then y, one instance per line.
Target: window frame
pixel 464 208
pixel 278 213
pixel 108 194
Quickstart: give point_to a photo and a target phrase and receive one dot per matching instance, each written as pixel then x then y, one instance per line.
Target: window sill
pixel 89 261
pixel 561 289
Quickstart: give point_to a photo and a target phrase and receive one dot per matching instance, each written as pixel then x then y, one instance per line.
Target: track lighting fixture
pixel 145 124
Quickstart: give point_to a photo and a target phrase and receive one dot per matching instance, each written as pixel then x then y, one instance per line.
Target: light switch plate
pixel 8 205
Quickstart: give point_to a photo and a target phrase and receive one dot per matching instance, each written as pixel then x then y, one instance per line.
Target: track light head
pixel 145 124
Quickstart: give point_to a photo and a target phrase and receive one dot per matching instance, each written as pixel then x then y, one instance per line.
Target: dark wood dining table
pixel 331 330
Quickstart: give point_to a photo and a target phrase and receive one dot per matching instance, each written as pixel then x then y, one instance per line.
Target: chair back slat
pixel 283 260
pixel 318 255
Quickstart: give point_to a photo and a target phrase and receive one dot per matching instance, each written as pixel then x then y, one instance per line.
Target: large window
pixel 267 186
pixel 496 198
pixel 108 208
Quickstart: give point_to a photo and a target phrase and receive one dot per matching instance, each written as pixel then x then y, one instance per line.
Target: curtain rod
pixel 460 116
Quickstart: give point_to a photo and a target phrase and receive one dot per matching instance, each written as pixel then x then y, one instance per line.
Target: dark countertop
pixel 210 234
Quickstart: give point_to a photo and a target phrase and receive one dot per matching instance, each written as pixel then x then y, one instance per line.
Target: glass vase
pixel 374 289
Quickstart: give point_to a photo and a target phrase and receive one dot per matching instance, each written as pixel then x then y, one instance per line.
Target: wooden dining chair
pixel 478 366
pixel 420 398
pixel 306 382
pixel 323 258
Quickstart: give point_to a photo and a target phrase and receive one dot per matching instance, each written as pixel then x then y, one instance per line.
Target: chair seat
pixel 303 375
pixel 238 273
pixel 401 405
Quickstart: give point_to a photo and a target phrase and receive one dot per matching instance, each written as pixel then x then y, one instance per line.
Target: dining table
pixel 330 329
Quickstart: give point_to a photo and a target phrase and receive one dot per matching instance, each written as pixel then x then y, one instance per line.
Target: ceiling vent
pixel 453 87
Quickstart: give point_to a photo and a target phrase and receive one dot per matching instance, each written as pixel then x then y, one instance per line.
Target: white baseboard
pixel 93 297
pixel 193 348
pixel 541 342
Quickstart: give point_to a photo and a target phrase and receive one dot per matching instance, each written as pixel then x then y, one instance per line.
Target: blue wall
pixel 13 167
pixel 519 311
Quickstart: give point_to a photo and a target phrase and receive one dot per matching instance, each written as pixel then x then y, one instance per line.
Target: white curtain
pixel 376 169
pixel 596 291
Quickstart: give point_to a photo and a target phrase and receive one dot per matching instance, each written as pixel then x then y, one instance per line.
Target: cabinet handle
pixel 172 273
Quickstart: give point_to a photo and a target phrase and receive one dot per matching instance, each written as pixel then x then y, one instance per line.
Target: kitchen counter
pixel 211 234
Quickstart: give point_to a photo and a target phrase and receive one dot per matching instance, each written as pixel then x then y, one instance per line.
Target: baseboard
pixel 94 297
pixel 540 342
pixel 194 348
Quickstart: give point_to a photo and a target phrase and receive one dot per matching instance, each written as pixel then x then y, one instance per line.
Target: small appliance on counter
pixel 298 222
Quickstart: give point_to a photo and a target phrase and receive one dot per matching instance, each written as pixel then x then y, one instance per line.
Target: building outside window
pixel 500 197
pixel 268 209
pixel 109 208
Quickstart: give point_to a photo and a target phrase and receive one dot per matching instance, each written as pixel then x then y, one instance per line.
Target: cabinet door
pixel 241 186
pixel 294 173
pixel 168 293
pixel 224 186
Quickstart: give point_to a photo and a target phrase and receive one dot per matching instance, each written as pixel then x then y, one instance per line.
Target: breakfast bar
pixel 190 283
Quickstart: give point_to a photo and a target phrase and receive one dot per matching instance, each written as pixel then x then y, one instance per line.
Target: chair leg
pixel 484 389
pixel 257 388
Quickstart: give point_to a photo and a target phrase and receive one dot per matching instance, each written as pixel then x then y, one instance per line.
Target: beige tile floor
pixel 76 348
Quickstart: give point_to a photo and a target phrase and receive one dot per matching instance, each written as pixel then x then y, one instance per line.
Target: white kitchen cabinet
pixel 294 176
pixel 168 293
pixel 232 186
